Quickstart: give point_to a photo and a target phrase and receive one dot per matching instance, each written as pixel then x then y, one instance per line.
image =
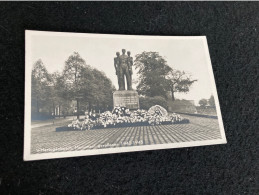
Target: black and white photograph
pixel 90 94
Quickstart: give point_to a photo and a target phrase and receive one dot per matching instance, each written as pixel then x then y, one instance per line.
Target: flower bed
pixel 122 117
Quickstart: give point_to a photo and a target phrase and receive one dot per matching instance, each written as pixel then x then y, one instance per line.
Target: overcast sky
pixel 99 52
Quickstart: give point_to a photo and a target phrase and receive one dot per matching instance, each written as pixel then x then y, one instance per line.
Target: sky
pixel 182 54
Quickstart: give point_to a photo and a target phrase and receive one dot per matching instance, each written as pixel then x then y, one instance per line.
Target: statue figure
pixel 124 70
pixel 130 64
pixel 117 68
pixel 125 98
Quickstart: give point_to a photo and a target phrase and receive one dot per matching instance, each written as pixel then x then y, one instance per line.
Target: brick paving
pixel 45 139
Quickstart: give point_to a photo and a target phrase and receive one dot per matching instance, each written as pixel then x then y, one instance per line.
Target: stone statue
pixel 125 98
pixel 130 64
pixel 116 66
pixel 123 68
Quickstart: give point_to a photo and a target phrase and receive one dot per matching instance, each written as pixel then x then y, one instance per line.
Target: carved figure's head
pixel 128 52
pixel 123 51
pixel 118 54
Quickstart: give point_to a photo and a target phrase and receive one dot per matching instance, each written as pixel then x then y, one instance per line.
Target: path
pixel 46 139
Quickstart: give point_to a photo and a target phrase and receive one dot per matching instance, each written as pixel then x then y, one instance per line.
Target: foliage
pixel 147 102
pixel 181 106
pixel 206 111
pixel 41 87
pixel 211 101
pixel 59 96
pixel 99 91
pixel 179 81
pixel 76 81
pixel 156 78
pixel 73 75
pixel 152 70
pixel 89 85
pixel 203 102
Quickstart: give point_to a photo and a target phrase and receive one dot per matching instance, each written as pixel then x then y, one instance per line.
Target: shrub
pixel 147 102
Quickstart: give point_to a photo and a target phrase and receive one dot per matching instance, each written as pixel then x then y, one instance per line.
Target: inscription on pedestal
pixel 129 99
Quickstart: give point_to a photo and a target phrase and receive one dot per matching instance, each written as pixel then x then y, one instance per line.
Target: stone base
pixel 128 99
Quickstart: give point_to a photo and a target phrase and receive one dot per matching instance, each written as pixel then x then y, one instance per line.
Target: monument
pixel 123 65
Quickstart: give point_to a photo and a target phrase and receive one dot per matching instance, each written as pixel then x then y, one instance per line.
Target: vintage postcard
pixel 91 94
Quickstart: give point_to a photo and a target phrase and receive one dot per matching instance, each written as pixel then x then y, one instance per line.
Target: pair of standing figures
pixel 123 66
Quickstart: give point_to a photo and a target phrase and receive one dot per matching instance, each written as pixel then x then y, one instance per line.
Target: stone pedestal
pixel 129 99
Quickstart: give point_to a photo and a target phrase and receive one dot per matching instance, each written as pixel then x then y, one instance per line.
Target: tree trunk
pixel 172 93
pixel 77 107
pixel 53 108
pixel 59 111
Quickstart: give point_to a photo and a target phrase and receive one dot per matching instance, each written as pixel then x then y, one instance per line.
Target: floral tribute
pixel 123 117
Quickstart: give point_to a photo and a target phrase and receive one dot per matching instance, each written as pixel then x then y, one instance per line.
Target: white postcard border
pixel 27 110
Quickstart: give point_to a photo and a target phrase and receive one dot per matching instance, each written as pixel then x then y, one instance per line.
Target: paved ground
pixel 46 139
pixel 56 121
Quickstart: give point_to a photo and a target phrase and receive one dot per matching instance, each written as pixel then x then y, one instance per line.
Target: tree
pixel 77 81
pixel 179 81
pixel 72 77
pixel 58 95
pixel 152 70
pixel 81 82
pixel 211 101
pixel 203 102
pixel 99 90
pixel 40 89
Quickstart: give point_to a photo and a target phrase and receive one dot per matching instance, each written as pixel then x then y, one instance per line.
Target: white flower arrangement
pixel 123 116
